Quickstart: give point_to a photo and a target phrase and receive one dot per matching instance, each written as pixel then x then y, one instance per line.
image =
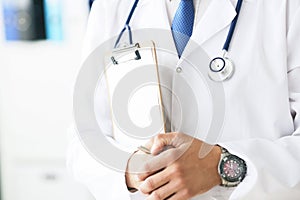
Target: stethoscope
pixel 220 68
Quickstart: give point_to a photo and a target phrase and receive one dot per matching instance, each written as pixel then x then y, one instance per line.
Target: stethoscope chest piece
pixel 220 69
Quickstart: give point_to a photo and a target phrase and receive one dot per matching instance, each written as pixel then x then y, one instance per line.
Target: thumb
pixel 162 142
pixel 149 144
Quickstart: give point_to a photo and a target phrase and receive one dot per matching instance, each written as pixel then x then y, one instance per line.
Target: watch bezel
pixel 240 162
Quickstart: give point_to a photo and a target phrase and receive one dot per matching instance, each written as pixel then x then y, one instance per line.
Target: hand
pixel 133 169
pixel 184 173
pixel 137 166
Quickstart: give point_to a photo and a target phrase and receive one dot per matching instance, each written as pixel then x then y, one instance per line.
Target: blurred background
pixel 40 50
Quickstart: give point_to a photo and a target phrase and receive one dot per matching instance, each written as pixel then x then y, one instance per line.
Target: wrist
pixel 232 169
pixel 217 151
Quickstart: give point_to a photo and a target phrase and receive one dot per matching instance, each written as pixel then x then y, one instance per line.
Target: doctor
pixel 258 153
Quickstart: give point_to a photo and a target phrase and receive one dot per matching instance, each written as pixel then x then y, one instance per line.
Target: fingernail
pixel 144 149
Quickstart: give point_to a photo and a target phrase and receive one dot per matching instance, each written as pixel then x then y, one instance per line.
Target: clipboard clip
pixel 131 48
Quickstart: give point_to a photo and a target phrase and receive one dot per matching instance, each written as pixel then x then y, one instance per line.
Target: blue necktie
pixel 182 25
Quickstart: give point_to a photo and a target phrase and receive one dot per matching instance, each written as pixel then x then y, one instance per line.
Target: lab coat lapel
pixel 218 15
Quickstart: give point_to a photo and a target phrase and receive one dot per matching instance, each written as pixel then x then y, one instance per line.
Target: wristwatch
pixel 232 169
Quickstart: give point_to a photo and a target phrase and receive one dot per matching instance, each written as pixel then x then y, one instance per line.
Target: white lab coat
pixel 262 99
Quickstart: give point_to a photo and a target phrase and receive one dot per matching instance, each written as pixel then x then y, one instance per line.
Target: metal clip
pixel 134 48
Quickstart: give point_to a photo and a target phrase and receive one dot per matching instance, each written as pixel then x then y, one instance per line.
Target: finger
pixel 164 192
pixel 159 162
pixel 149 144
pixel 170 196
pixel 155 181
pixel 144 149
pixel 182 194
pixel 143 176
pixel 161 141
pixel 137 161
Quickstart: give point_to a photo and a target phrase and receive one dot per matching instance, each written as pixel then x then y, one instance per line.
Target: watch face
pixel 233 168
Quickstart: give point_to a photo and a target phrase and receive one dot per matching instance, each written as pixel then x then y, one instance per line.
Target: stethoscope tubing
pixel 233 26
pixel 225 47
pixel 227 42
pixel 127 26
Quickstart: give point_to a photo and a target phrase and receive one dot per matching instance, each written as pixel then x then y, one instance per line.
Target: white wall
pixel 36 83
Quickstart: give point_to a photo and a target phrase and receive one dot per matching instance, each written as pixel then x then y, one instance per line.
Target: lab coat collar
pixel 218 15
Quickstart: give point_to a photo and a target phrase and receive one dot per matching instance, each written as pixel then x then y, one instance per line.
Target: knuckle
pixel 173 155
pixel 140 176
pixel 150 183
pixel 159 137
pixel 147 187
pixel 147 167
pixel 156 195
pixel 177 168
pixel 177 135
pixel 186 193
pixel 180 182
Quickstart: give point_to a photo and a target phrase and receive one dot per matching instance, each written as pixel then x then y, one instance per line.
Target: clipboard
pixel 133 70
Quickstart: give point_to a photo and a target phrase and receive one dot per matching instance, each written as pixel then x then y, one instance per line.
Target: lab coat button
pixel 178 69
